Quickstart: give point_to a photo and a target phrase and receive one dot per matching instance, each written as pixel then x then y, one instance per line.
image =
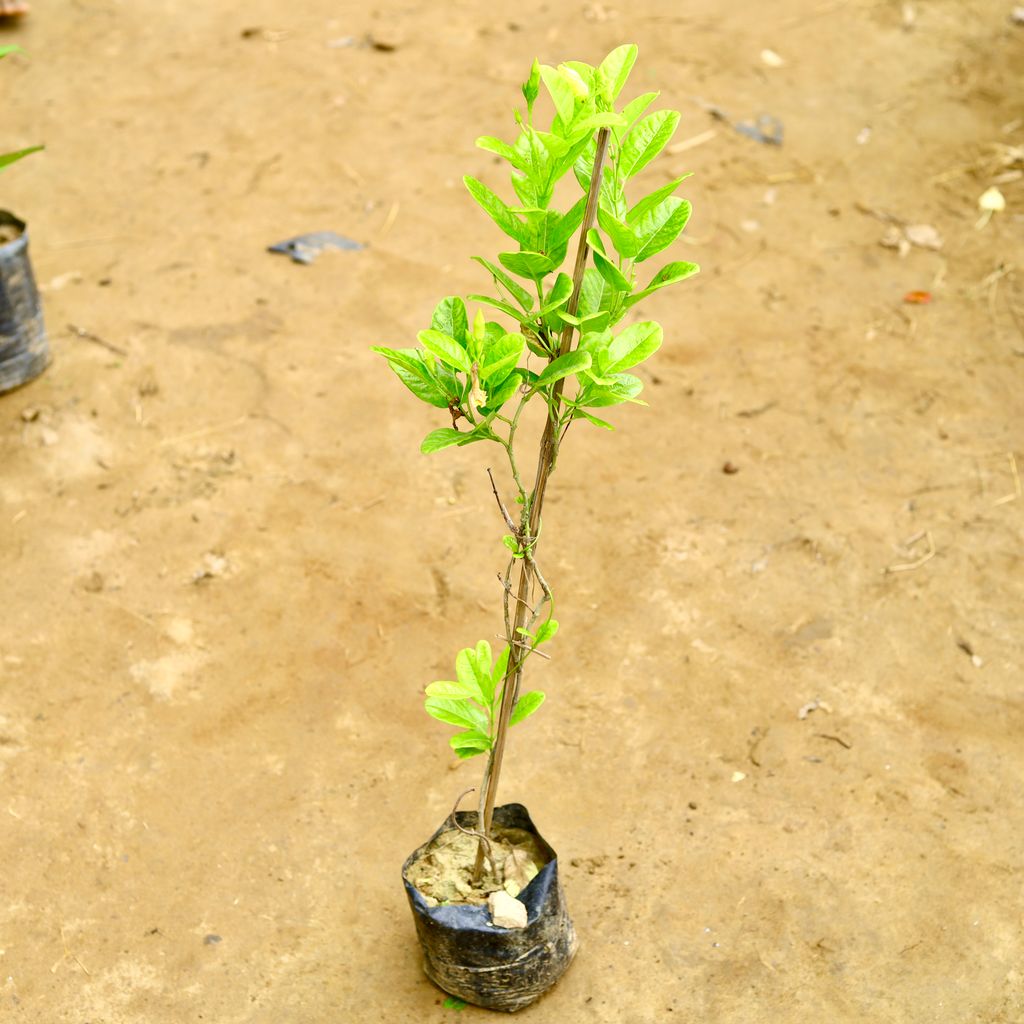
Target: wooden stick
pixel 513 675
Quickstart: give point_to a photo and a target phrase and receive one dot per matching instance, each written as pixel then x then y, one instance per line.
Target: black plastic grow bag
pixel 24 351
pixel 498 968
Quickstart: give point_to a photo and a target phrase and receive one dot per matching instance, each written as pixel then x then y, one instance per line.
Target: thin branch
pixel 532 650
pixel 504 511
pixel 508 588
pixel 484 841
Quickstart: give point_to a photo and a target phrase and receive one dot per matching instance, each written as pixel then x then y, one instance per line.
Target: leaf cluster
pixel 550 337
pixel 472 700
pixel 474 370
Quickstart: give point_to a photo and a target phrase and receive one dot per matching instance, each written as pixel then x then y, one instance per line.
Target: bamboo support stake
pixel 544 462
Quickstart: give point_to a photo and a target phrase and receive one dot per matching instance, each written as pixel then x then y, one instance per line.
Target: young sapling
pixel 556 341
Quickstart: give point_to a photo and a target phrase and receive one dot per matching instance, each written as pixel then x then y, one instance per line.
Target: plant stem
pixel 548 445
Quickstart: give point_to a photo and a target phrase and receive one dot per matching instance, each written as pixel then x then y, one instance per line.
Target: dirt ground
pixel 228 572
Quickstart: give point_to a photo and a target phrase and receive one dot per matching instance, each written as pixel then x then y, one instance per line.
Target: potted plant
pixel 24 352
pixel 484 889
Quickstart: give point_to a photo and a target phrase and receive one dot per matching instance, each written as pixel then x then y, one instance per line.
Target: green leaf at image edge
pixel 6 159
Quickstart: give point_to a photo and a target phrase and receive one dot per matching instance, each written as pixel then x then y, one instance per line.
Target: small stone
pixel 924 236
pixel 506 912
pixel 93 583
pixel 517 872
pixel 211 940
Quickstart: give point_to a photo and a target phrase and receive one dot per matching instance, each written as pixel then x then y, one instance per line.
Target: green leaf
pixel 611 273
pixel 547 631
pixel 507 308
pixel 455 712
pixel 482 668
pixel 632 111
pixel 592 293
pixel 562 93
pixel 559 295
pixel 502 149
pixel 516 290
pixel 632 346
pixel 497 397
pixel 571 362
pixel 661 227
pixel 532 265
pixel 451 689
pixel 453 1002
pixel 14 48
pixel 584 72
pixel 6 159
pixel 526 706
pixel 450 318
pixel 560 233
pixel 470 743
pixel 583 414
pixel 625 388
pixel 646 140
pixel 466 670
pixel 616 68
pixel 496 209
pixel 445 437
pixel 622 236
pixel 501 356
pixel 595 321
pixel 649 202
pixel 596 343
pixel 416 375
pixel 446 348
pixel 671 273
pixel 500 667
pixel 583 128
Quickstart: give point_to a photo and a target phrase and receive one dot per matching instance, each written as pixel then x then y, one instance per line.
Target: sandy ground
pixel 228 572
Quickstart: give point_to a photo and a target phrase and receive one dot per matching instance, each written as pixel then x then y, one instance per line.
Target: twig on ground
pixel 81 332
pixel 917 562
pixel 834 739
pixel 1016 493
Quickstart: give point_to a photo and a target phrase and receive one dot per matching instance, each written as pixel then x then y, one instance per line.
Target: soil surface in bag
pixel 444 874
